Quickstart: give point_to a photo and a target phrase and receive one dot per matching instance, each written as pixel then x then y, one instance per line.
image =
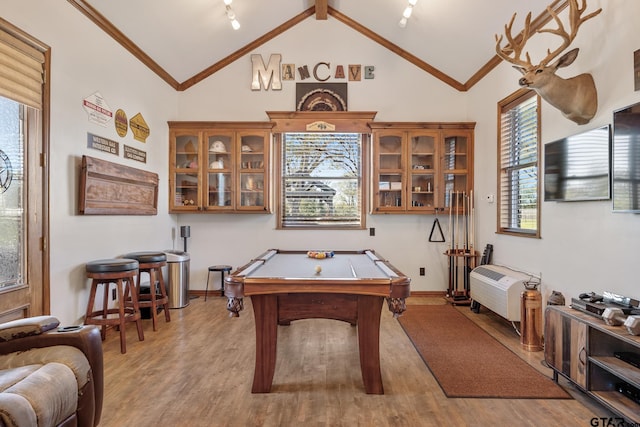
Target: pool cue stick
pixel 450 242
pixel 465 219
pixel 469 243
pixel 457 219
pixel 473 228
pixel 450 223
pixel 472 252
pixel 465 201
pixel 457 237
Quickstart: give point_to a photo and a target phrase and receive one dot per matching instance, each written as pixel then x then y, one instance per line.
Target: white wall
pixel 584 245
pixel 85 60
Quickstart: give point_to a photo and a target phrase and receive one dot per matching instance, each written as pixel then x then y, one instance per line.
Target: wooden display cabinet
pixel 582 348
pixel 417 167
pixel 218 167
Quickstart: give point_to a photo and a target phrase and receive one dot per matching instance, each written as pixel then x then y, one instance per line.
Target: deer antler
pixel 516 44
pixel 513 45
pixel 574 21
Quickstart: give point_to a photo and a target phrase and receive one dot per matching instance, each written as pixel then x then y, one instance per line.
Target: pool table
pixel 288 285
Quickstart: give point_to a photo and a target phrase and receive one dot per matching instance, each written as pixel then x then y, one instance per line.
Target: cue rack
pixel 461 252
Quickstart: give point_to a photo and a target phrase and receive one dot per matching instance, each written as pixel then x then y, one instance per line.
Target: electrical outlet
pixel 113 294
pixel 372 231
pixel 422 271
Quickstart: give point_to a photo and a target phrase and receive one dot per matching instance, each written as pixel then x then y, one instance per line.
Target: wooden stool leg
pixel 123 339
pixel 105 305
pixel 90 305
pixel 152 297
pixel 136 309
pixel 206 289
pixel 163 293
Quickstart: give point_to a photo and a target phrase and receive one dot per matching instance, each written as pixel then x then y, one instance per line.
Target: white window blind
pixel 21 71
pixel 321 180
pixel 519 187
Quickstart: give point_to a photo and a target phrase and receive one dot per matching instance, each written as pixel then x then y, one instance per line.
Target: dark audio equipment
pixel 627 356
pixel 629 391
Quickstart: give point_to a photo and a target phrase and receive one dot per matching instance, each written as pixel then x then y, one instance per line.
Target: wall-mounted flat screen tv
pixel 626 159
pixel 577 168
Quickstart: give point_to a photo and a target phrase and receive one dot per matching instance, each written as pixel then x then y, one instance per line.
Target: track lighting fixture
pixel 406 14
pixel 231 15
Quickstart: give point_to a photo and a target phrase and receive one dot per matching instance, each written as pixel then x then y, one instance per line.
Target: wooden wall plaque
pixel 108 188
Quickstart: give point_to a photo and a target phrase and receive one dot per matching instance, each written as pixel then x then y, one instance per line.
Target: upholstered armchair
pixel 50 376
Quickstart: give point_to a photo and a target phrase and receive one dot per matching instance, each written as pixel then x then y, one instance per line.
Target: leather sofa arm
pixel 87 339
pixel 28 326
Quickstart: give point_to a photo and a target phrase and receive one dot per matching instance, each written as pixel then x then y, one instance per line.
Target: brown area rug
pixel 468 362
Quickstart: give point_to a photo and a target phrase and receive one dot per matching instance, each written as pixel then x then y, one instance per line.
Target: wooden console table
pixel 581 348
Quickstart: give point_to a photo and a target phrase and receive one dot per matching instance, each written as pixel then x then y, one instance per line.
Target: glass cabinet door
pixel 455 168
pixel 184 176
pixel 421 168
pixel 219 165
pixel 422 146
pixel 389 181
pixel 253 185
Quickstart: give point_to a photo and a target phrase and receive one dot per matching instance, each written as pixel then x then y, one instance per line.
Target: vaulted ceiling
pixel 186 41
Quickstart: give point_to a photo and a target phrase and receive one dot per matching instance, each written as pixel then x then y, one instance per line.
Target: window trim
pixel 364 186
pixel 337 122
pixel 505 104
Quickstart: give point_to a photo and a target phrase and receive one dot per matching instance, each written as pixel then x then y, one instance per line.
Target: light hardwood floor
pixel 197 370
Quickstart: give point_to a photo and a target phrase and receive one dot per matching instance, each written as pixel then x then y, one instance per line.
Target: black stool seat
pixel 117 265
pixel 222 268
pixel 147 257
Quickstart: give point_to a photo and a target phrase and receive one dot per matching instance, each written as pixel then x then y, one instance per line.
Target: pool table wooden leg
pixel 369 311
pixel 265 309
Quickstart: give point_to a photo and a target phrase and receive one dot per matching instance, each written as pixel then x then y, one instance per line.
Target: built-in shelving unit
pixel 218 167
pixel 417 166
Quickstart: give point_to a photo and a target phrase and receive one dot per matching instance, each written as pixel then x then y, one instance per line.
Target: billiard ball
pixel 318 269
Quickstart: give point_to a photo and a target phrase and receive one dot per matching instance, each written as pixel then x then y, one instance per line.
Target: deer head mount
pixel 575 97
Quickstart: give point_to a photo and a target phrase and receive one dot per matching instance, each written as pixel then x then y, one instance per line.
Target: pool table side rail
pixel 238 285
pixel 285 286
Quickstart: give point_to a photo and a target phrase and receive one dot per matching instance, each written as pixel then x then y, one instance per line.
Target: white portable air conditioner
pixel 498 289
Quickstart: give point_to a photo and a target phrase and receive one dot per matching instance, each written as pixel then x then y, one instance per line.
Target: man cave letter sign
pixel 266 75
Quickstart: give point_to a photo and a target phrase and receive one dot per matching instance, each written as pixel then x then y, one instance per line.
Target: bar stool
pixel 222 269
pixel 152 263
pixel 120 272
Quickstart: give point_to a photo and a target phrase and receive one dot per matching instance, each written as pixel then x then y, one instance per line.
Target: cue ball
pixel 318 269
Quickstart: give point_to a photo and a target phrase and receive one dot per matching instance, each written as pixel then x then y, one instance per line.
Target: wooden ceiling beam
pixel 247 49
pixel 124 41
pixel 397 50
pixel 322 10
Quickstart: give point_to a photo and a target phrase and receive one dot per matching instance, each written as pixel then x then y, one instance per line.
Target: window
pixel 518 158
pixel 321 180
pixel 24 94
pixel 12 195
